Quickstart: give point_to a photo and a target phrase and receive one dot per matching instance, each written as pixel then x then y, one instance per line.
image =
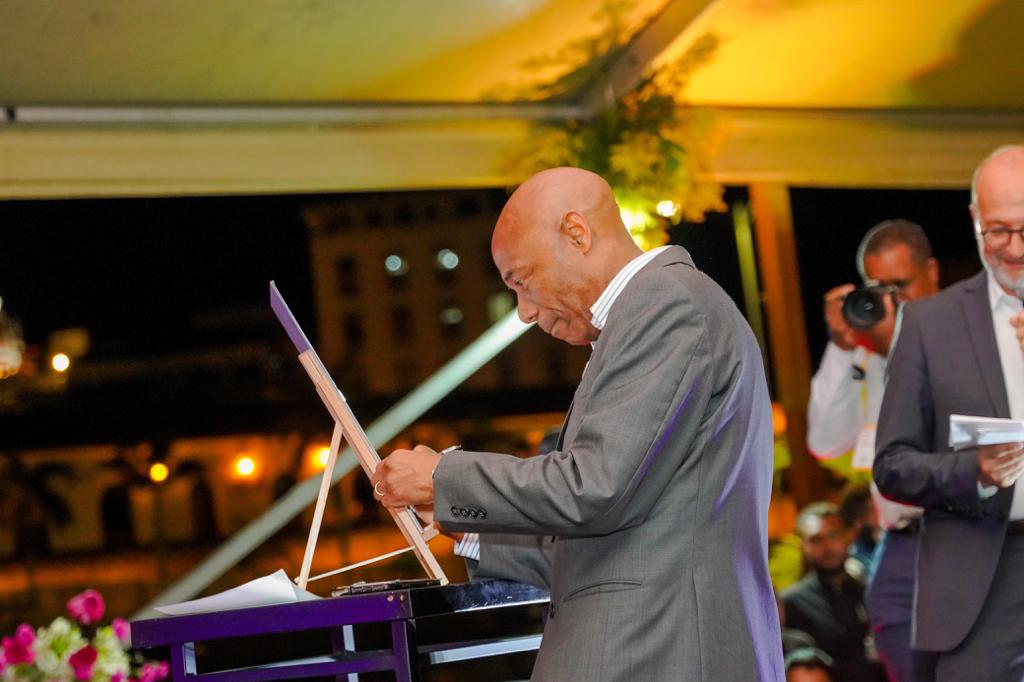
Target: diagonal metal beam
pixel 646 46
pixel 366 113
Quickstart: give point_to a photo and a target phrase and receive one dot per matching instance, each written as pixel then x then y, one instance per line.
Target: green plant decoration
pixel 650 147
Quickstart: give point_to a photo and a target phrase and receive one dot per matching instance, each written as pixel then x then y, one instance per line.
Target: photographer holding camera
pixel 896 264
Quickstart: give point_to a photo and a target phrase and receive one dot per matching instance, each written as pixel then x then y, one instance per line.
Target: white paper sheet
pixel 966 431
pixel 275 588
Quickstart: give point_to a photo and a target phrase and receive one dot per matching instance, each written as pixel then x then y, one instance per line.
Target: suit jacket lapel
pixel 675 254
pixel 978 312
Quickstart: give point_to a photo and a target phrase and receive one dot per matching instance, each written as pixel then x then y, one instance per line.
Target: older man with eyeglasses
pixel 960 352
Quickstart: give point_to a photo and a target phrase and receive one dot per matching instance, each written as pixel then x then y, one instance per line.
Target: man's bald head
pixel 1006 161
pixel 997 205
pixel 536 208
pixel 558 243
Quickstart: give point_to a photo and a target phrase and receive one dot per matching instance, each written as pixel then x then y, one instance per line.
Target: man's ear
pixel 933 272
pixel 575 227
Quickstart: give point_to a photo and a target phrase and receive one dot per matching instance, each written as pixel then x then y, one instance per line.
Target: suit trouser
pixel 994 648
pixel 890 603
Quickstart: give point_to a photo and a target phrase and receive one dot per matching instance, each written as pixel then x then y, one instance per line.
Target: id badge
pixel 864 452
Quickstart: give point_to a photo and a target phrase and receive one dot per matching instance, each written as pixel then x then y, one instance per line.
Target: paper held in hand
pixel 968 432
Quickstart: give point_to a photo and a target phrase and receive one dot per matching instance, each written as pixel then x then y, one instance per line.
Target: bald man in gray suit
pixel 657 493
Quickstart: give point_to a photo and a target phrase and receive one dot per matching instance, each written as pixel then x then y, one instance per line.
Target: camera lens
pixel 863 308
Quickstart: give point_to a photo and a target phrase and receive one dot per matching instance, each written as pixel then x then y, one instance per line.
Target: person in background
pixel 828 602
pixel 846 394
pixel 809 664
pixel 859 515
pixel 959 352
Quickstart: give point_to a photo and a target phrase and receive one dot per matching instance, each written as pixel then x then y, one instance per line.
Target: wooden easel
pixel 347 428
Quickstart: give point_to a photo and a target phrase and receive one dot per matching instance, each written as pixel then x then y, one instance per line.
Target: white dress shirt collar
pixel 599 311
pixel 997 295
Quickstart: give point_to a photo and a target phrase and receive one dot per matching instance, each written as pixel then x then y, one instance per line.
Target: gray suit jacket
pixel 656 498
pixel 945 362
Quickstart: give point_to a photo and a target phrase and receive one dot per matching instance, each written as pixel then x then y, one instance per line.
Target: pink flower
pixel 25 634
pixel 87 607
pixel 82 662
pixel 121 629
pixel 18 649
pixel 3 661
pixel 151 672
pixel 119 677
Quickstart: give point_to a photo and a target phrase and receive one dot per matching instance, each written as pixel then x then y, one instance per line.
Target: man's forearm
pixel 833 412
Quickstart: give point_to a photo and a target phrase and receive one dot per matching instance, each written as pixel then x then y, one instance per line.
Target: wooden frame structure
pixel 347 428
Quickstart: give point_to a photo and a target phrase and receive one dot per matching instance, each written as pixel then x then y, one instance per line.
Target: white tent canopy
pixel 117 97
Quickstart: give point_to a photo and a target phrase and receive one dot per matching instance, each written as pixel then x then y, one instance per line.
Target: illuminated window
pixel 446 262
pixel 396 265
pixel 446 259
pixel 451 318
pixel 397 268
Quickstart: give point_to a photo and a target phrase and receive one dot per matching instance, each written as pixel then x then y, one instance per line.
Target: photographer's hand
pixel 839 332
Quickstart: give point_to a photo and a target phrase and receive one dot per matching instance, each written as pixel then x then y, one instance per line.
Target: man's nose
pixel 527 311
pixel 1016 246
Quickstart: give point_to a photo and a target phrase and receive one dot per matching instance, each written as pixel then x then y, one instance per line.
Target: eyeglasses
pixel 998 237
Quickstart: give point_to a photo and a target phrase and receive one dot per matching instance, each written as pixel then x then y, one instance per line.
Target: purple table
pixel 397 610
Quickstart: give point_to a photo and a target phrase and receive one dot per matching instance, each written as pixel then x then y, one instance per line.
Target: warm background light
pixel 320 456
pixel 667 208
pixel 158 472
pixel 60 362
pixel 633 220
pixel 778 419
pixel 245 466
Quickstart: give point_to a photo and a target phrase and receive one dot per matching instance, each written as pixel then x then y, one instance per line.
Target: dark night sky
pixel 138 272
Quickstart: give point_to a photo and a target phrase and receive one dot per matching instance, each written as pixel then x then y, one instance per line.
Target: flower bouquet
pixel 76 648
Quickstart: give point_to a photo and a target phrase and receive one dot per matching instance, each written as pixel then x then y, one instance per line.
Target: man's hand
pixel 1000 465
pixel 838 331
pixel 405 477
pixel 1018 322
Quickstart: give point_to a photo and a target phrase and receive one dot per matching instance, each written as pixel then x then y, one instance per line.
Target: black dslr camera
pixel 864 307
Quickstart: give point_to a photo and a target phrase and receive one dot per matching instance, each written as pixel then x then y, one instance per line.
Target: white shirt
pixel 603 304
pixel 846 397
pixel 1011 358
pixel 469 546
pixel 846 393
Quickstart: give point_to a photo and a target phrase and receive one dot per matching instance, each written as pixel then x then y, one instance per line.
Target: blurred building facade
pixel 403 282
pixel 400 282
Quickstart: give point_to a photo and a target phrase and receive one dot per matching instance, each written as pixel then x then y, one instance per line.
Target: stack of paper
pixel 968 432
pixel 275 588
